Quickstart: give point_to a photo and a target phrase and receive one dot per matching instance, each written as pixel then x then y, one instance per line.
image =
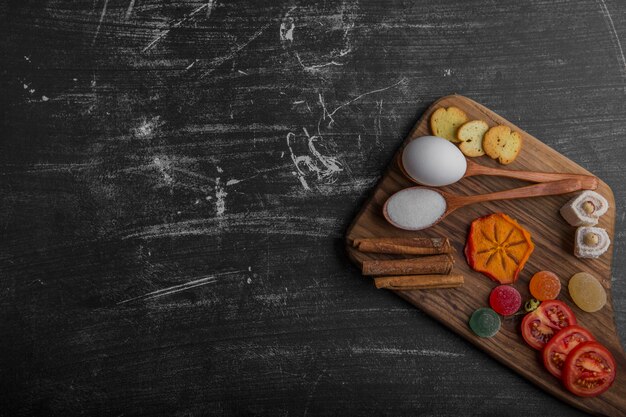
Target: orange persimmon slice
pixel 498 247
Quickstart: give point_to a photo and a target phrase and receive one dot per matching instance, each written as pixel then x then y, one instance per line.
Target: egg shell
pixel 433 161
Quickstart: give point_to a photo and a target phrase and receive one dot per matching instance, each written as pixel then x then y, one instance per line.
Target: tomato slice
pixel 556 350
pixel 589 370
pixel 539 326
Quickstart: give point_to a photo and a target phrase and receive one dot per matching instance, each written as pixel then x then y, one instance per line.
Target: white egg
pixel 433 161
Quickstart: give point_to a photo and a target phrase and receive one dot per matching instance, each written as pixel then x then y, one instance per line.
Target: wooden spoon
pixel 454 201
pixel 588 182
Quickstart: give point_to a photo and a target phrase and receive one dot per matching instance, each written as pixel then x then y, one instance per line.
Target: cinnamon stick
pixel 419 282
pixel 404 246
pixel 436 264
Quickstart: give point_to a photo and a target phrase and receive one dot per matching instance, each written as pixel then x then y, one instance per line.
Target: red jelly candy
pixel 505 300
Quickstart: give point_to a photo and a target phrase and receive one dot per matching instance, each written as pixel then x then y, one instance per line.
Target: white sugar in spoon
pixel 434 161
pixel 418 208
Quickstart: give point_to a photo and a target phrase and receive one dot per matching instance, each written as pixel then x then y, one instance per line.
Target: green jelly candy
pixel 485 322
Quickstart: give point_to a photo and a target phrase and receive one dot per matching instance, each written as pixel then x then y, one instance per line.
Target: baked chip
pixel 502 144
pixel 471 136
pixel 445 122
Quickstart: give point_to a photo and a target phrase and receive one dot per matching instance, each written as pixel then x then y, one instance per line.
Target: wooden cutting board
pixel 554 248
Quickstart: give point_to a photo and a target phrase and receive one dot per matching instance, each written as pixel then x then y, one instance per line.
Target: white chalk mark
pixel 163 166
pixel 193 174
pixel 377 124
pixel 253 222
pixel 314 68
pixel 403 80
pixel 181 287
pixel 233 182
pixel 614 37
pixel 324 110
pixel 129 10
pixel 332 166
pixel 295 102
pixel 147 127
pixel 209 8
pixel 188 67
pixel 242 72
pixel 346 38
pixel 325 167
pixel 43 167
pixel 286 31
pixel 398 351
pixel 447 72
pixel 102 14
pixel 310 397
pixel 217 62
pixel 220 198
pixel 44 98
pixel 174 26
pixel 297 161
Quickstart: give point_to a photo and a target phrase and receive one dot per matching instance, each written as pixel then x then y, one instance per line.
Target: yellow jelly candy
pixel 587 292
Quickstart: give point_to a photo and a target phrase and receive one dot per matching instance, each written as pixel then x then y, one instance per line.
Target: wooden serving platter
pixel 554 248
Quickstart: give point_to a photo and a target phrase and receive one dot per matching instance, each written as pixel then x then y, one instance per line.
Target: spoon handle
pixel 537 190
pixel 588 182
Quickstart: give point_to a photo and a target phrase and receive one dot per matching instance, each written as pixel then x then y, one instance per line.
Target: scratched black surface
pixel 177 178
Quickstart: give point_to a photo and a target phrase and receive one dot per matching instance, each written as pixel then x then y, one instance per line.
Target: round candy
pixel 587 292
pixel 505 300
pixel 485 322
pixel 545 285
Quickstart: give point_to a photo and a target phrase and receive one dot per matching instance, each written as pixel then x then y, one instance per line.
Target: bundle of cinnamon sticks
pixel 429 266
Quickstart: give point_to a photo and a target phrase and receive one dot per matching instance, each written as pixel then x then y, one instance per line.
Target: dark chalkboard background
pixel 176 179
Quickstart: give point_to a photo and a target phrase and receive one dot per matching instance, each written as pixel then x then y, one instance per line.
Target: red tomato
pixel 589 370
pixel 539 326
pixel 556 350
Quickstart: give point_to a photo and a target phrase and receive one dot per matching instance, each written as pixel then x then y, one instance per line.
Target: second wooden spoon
pixel 418 208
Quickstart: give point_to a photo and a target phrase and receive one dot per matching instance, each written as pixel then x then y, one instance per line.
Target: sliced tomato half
pixel 539 326
pixel 589 370
pixel 556 350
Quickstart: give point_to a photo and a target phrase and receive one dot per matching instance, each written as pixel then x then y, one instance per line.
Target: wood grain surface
pixel 177 178
pixel 552 236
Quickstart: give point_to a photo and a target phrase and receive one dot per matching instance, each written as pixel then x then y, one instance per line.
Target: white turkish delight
pixel 585 209
pixel 591 242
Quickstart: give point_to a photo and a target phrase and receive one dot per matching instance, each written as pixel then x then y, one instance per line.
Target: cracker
pixel 471 136
pixel 502 144
pixel 445 122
